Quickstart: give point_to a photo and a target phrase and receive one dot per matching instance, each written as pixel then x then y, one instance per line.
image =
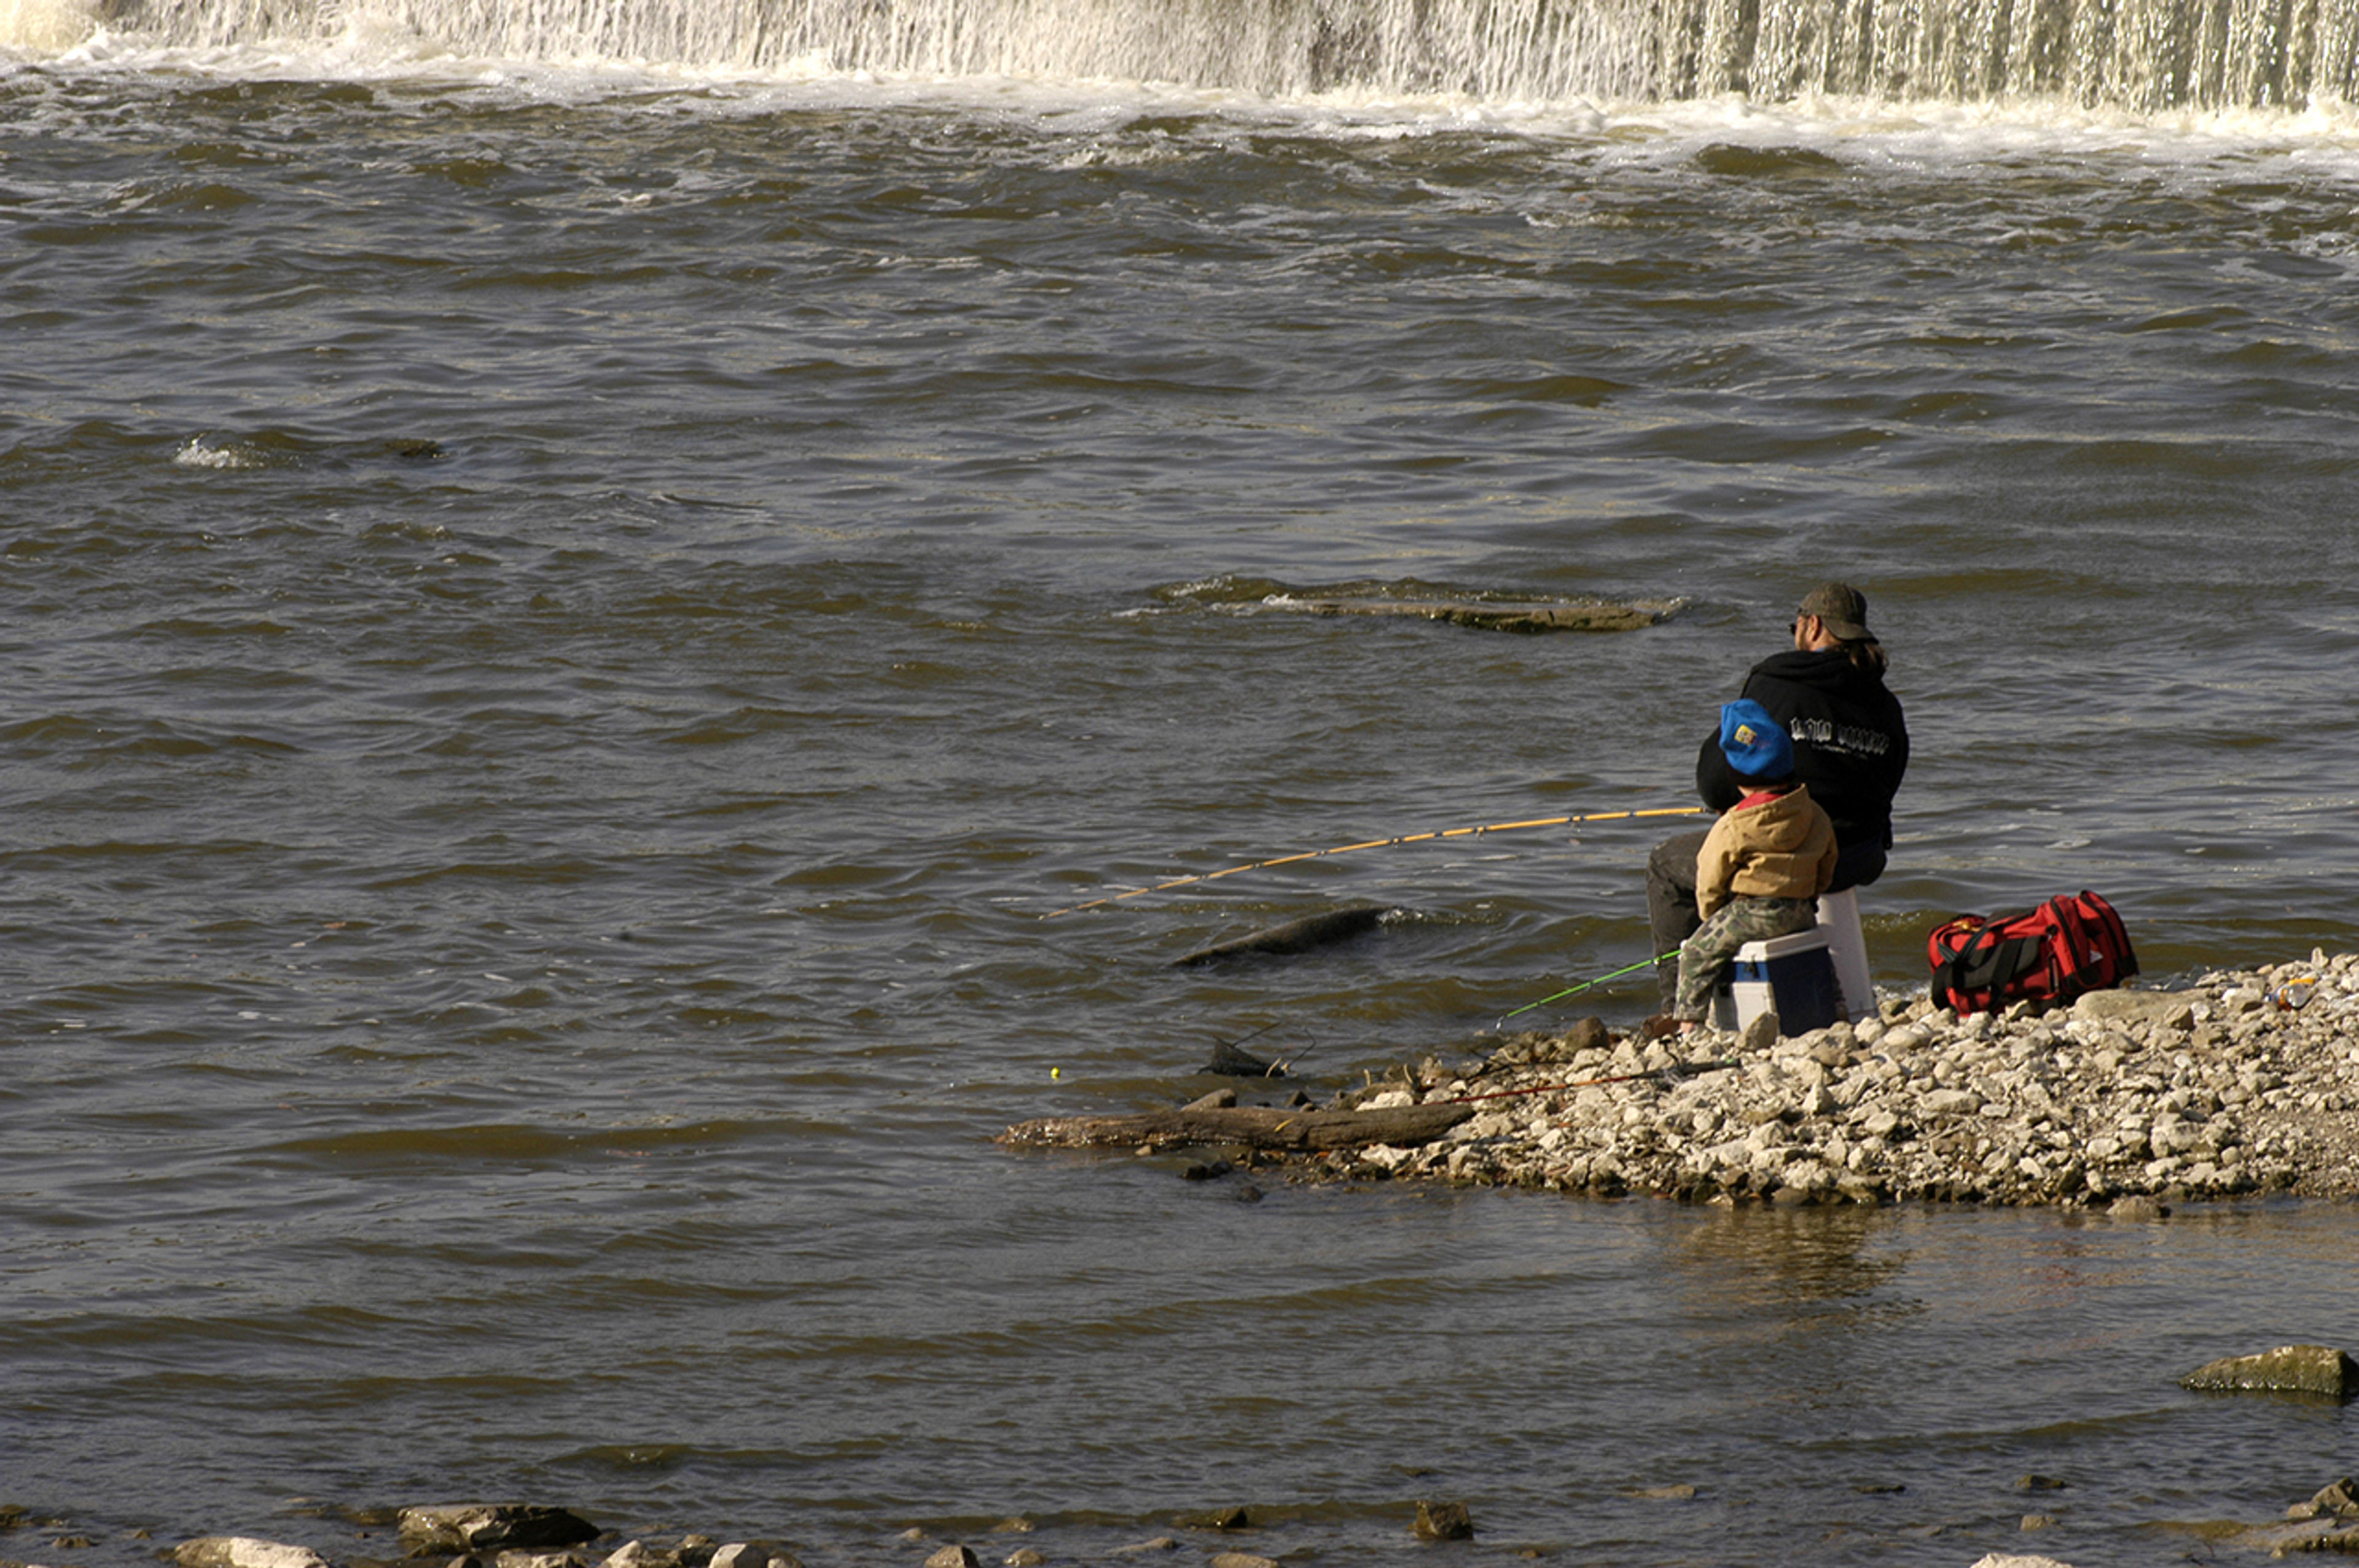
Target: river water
pixel 568 623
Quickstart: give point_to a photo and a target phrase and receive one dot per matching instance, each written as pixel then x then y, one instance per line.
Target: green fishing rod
pixel 1383 844
pixel 1575 990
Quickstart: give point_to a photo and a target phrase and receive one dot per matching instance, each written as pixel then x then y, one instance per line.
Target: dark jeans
pixel 1671 897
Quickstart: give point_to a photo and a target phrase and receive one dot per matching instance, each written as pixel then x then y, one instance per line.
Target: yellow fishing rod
pixel 1382 844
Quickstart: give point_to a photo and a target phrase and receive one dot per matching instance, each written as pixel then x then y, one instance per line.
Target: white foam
pixel 201 453
pixel 45 26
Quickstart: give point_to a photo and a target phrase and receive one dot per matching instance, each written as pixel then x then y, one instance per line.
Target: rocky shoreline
pixel 2246 1082
pixel 542 1535
pixel 531 1535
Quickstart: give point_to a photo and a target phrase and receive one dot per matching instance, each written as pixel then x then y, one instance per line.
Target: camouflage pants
pixel 1704 957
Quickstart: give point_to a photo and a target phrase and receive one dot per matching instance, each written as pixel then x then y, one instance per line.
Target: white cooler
pixel 1793 977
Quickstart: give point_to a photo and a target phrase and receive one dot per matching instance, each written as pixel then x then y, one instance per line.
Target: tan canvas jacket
pixel 1782 848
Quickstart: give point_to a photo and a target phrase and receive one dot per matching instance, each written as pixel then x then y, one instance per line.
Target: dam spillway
pixel 2140 56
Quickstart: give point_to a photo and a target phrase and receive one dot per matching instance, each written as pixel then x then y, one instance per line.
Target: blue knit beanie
pixel 1755 745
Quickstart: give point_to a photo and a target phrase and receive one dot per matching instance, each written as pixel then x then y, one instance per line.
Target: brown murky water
pixel 565 627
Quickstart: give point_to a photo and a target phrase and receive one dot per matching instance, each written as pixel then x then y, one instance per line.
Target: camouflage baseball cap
pixel 1841 608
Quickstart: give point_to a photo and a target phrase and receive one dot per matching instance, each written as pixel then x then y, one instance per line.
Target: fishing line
pixel 1228 1057
pixel 1240 1040
pixel 1381 844
pixel 1571 990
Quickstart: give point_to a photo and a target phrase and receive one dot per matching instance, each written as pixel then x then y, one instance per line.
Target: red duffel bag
pixel 2052 954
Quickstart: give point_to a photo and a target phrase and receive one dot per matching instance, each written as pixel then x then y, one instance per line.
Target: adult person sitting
pixel 1851 747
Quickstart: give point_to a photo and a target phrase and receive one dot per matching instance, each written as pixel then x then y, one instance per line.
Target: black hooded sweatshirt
pixel 1851 743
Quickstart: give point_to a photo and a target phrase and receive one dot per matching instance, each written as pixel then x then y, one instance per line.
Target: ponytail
pixel 1865 654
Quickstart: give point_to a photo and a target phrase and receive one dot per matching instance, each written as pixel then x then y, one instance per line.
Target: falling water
pixel 2141 55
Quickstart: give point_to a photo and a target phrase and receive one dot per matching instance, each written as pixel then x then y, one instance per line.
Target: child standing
pixel 1764 863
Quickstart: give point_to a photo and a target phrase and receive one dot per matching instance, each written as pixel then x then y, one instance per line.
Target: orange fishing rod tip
pixel 1379 844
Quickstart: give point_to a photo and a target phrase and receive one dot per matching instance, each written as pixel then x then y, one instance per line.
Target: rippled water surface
pixel 565 630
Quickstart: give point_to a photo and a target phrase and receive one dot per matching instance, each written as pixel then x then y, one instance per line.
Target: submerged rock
pixel 1444 1521
pixel 2344 1542
pixel 1489 615
pixel 2287 1370
pixel 2338 1500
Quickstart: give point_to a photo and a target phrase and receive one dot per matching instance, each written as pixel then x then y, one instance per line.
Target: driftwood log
pixel 1295 1131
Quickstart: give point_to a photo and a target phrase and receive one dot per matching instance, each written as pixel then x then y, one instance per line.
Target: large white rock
pixel 741 1555
pixel 2173 1010
pixel 244 1552
pixel 634 1554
